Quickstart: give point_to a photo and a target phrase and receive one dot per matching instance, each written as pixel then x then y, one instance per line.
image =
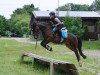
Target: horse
pixel 73 42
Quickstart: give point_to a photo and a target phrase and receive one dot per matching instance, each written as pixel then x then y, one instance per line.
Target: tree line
pixel 19 21
pixel 95 6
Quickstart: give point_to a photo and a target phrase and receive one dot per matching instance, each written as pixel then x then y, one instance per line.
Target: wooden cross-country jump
pixel 67 67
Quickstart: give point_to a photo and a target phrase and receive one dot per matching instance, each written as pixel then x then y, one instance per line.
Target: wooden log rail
pixel 67 67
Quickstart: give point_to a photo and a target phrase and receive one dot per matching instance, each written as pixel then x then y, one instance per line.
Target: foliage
pixel 26 9
pixel 19 22
pixel 74 7
pixel 93 45
pixel 98 22
pixel 95 6
pixel 64 7
pixel 4 26
pixel 74 25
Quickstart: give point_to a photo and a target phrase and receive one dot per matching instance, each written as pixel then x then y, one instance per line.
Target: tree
pixel 4 26
pixel 74 25
pixel 98 22
pixel 78 7
pixel 29 8
pixel 19 22
pixel 95 6
pixel 74 7
pixel 63 8
pixel 26 9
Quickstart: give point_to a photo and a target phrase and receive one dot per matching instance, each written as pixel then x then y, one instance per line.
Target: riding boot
pixel 62 39
pixel 55 34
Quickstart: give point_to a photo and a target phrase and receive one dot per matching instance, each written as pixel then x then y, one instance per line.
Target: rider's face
pixel 51 16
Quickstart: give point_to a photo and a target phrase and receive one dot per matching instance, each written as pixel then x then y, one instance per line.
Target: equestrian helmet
pixel 52 13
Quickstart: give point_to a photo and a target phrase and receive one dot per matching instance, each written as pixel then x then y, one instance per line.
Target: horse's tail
pixel 80 47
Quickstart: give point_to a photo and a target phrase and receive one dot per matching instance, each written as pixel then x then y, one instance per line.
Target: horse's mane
pixel 44 25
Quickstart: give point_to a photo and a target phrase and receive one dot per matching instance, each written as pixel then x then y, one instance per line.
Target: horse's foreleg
pixel 48 47
pixel 45 45
pixel 50 39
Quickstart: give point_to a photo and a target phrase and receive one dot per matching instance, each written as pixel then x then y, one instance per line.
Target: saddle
pixel 63 33
pixel 60 36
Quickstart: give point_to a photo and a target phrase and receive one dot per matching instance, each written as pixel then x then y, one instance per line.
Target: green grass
pixel 10 51
pixel 92 45
pixel 10 59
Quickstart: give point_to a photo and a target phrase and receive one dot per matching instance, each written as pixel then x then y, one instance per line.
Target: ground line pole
pixel 32 62
pixel 51 68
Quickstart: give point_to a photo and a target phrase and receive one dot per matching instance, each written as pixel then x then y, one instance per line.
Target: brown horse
pixel 73 42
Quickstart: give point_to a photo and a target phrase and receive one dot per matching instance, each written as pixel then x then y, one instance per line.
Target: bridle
pixel 35 30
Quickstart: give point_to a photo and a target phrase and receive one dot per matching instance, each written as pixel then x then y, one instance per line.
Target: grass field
pixel 92 45
pixel 10 64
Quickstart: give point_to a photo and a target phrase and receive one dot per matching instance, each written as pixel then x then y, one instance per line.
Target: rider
pixel 57 23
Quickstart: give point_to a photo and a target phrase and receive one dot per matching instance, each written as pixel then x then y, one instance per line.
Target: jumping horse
pixel 73 42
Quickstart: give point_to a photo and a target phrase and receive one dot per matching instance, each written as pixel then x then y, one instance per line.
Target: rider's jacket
pixel 56 21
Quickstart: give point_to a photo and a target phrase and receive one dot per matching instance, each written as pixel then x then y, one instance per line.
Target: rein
pixel 42 30
pixel 36 44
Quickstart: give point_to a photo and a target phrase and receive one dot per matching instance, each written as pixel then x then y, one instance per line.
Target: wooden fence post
pixel 51 68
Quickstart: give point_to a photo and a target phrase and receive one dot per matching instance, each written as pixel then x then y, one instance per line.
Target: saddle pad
pixel 64 34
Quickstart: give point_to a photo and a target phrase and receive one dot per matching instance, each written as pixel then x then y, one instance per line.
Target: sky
pixel 8 6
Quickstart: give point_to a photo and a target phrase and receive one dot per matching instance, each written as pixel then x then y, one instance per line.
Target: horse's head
pixel 35 30
pixel 40 26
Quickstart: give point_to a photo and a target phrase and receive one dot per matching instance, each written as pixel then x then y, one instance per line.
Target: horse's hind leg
pixel 80 48
pixel 78 58
pixel 81 53
pixel 73 48
pixel 75 51
pixel 77 55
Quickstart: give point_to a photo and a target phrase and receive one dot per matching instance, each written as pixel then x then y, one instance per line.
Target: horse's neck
pixel 42 28
pixel 45 30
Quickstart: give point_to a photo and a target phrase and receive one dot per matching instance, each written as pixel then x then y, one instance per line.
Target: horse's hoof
pixel 80 63
pixel 85 57
pixel 50 49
